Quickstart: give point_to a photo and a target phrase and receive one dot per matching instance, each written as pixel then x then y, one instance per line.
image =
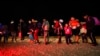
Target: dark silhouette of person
pixel 90 24
pixel 5 33
pixel 22 28
pixel 1 31
pixel 13 30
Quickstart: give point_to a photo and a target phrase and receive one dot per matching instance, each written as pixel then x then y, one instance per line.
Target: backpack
pixel 97 21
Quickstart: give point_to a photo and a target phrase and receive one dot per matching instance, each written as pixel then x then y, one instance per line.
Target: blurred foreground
pixel 26 48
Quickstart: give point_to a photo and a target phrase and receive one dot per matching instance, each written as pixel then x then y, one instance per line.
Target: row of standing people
pixel 33 28
pixel 71 28
pixel 74 27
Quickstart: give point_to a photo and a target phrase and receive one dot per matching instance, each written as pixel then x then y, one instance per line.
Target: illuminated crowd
pixel 34 28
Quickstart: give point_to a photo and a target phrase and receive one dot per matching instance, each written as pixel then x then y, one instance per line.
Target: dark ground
pixel 26 48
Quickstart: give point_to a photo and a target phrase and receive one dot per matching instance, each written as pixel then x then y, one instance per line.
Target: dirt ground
pixel 27 48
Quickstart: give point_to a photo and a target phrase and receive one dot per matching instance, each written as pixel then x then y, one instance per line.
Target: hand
pixel 0 32
pixel 52 26
pixel 32 30
pixel 78 25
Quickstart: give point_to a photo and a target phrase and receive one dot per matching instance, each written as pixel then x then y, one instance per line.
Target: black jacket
pixel 90 23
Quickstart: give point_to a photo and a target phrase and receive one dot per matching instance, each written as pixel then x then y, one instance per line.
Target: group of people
pixel 34 28
pixel 75 27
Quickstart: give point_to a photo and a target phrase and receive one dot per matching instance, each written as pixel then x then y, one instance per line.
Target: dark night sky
pixel 49 9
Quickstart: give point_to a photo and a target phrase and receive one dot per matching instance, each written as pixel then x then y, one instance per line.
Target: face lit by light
pixel 66 25
pixel 72 18
pixel 29 21
pixel 77 19
pixel 33 20
pixel 21 20
pixel 12 22
pixel 54 21
pixel 44 20
pixel 85 17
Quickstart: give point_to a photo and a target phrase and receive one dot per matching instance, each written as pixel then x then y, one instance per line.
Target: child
pixel 30 36
pixel 83 32
pixel 36 31
pixel 68 33
pixel 30 31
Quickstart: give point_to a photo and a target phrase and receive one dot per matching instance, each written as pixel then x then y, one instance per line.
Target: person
pixel 5 33
pixel 83 33
pixel 22 28
pixel 45 27
pixel 90 24
pixel 1 32
pixel 68 33
pixel 30 31
pixel 61 25
pixel 57 29
pixel 13 31
pixel 74 24
pixel 35 31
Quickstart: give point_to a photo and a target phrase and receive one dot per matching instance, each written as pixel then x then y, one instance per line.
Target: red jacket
pixel 57 25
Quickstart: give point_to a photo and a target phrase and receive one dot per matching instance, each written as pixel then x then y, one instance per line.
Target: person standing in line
pixel 5 33
pixel 13 30
pixel 45 27
pixel 83 33
pixel 61 25
pixel 57 29
pixel 68 34
pixel 22 28
pixel 74 24
pixel 30 31
pixel 35 31
pixel 1 32
pixel 90 24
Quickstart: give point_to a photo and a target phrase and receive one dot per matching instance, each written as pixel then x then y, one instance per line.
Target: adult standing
pixel 57 29
pixel 1 31
pixel 35 30
pixel 22 28
pixel 45 27
pixel 13 30
pixel 90 24
pixel 74 24
pixel 5 33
